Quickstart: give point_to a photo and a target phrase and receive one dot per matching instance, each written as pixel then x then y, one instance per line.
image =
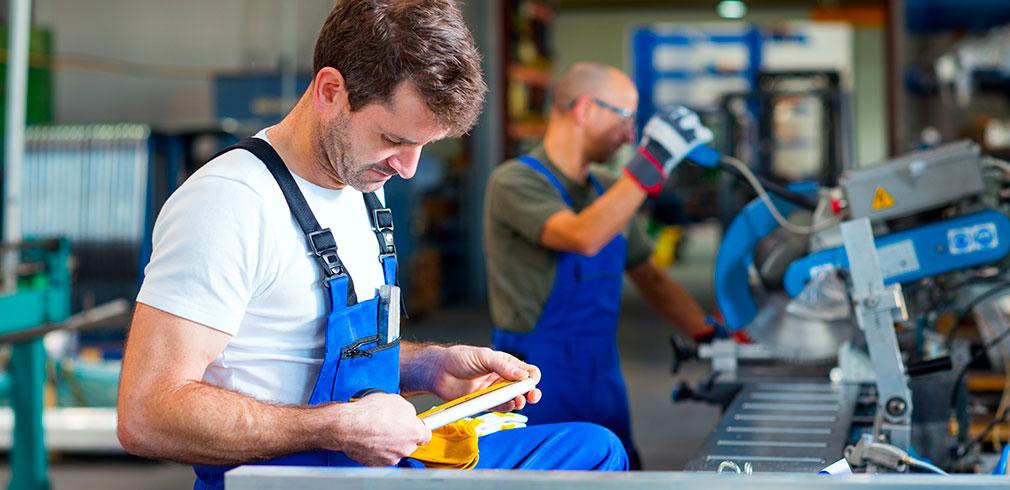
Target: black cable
pixel 978 355
pixel 927 367
pixel 775 188
pixel 985 433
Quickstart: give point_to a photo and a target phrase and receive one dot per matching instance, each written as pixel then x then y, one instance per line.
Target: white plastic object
pixel 840 467
pixel 475 403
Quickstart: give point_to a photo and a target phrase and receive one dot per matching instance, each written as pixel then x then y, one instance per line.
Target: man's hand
pixel 670 134
pixel 377 430
pixel 716 330
pixel 461 369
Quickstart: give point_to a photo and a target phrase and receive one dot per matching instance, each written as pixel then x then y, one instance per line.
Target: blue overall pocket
pixel 368 366
pixel 355 359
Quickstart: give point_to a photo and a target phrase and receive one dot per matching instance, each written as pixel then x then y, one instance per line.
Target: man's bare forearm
pixel 588 231
pixel 670 299
pixel 198 423
pixel 610 214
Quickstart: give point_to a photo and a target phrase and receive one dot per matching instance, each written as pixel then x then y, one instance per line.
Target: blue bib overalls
pixel 574 342
pixel 363 352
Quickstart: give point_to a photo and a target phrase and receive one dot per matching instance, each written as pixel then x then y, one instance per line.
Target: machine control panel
pixel 972 239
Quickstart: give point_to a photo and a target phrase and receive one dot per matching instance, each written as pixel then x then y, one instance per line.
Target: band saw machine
pixel 840 290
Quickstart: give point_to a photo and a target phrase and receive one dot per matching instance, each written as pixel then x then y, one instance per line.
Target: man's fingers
pixel 519 402
pixel 505 407
pixel 424 434
pixel 533 371
pixel 522 371
pixel 503 364
pixel 514 369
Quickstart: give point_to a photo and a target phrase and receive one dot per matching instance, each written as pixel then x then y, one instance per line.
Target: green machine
pixel 40 301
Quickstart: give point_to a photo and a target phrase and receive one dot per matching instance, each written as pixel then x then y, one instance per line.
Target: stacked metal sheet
pixel 89 184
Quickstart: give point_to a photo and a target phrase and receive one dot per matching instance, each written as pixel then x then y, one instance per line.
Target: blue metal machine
pixel 907 256
pixel 919 216
pixel 927 251
pixel 736 254
pixel 978 237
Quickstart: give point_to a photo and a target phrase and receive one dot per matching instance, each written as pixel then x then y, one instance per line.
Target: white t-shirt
pixel 228 254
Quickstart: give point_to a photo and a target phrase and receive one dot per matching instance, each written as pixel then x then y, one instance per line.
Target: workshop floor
pixel 667 435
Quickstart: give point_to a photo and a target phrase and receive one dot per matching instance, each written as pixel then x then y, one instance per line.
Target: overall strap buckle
pixel 324 248
pixel 320 240
pixel 382 225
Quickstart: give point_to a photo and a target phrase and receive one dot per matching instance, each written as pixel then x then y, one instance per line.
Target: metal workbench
pixel 304 478
pixel 782 427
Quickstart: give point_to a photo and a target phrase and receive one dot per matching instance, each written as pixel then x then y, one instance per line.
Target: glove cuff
pixel 715 330
pixel 646 170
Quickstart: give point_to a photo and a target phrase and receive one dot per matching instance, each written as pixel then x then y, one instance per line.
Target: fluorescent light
pixel 731 9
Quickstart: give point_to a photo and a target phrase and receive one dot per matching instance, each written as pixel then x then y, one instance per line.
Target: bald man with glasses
pixel 558 238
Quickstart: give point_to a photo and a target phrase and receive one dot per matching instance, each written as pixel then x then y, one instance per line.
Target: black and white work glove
pixel 671 133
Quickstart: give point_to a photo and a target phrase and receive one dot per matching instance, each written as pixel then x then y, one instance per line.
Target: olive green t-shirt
pixel 520 271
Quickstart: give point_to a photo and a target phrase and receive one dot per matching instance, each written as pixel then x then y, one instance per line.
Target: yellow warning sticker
pixel 882 199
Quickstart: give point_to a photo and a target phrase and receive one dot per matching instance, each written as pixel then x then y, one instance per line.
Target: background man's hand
pixel 377 430
pixel 671 133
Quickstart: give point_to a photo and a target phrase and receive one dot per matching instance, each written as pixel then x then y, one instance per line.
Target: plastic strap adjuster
pixel 382 224
pixel 324 247
pixel 382 219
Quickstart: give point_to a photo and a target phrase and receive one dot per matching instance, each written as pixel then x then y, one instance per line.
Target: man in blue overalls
pixel 558 238
pixel 267 327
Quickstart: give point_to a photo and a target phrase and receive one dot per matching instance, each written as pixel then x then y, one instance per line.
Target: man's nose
pixel 629 131
pixel 405 162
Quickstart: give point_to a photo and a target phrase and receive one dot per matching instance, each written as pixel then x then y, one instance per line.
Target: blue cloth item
pixel 356 359
pixel 566 446
pixel 574 342
pixel 1001 465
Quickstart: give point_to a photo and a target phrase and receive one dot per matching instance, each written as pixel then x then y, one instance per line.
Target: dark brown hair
pixel 376 44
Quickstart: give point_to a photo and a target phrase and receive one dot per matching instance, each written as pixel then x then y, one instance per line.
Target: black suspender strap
pixel 382 224
pixel 320 240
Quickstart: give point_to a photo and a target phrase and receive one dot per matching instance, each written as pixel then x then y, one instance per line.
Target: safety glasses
pixel 627 114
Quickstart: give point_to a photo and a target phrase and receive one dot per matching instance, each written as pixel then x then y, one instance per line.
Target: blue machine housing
pixel 958 243
pixel 926 251
pixel 736 254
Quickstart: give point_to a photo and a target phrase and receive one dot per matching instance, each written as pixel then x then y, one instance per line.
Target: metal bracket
pixel 876 309
pixel 876 455
pixel 727 353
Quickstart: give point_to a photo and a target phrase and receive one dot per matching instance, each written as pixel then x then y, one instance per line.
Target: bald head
pixel 589 79
pixel 592 112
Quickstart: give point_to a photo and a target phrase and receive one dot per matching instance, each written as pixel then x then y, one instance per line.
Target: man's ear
pixel 329 91
pixel 580 109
